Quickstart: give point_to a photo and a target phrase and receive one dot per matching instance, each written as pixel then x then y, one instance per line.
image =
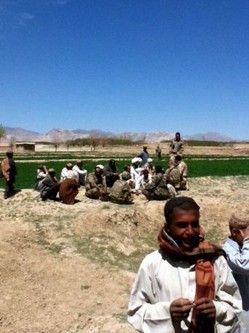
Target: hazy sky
pixel 125 65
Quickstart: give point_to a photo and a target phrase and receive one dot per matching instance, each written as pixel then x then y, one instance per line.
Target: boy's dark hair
pixel 185 203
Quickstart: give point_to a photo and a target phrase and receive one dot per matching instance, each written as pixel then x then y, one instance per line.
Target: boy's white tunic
pixel 238 261
pixel 160 280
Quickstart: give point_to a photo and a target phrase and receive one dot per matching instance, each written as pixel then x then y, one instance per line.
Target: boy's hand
pixel 180 308
pixel 205 307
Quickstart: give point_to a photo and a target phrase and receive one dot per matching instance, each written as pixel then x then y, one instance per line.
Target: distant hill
pixel 210 136
pixel 61 135
pixel 21 134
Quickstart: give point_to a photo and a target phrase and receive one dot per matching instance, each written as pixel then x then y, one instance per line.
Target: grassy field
pixel 199 166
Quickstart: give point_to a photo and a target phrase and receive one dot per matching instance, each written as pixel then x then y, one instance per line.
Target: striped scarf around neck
pixel 203 257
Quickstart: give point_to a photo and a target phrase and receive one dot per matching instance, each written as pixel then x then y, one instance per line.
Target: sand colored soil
pixel 69 269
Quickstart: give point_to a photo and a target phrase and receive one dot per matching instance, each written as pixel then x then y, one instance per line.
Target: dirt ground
pixel 69 269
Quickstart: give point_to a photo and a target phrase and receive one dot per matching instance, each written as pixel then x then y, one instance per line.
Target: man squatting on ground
pixel 186 286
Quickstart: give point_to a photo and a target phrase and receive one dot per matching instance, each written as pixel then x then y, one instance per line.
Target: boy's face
pixel 184 228
pixel 236 236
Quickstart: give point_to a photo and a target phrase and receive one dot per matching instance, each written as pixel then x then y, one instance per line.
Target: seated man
pixel 142 181
pixel 149 166
pixel 157 189
pixel 111 173
pixel 82 173
pixel 49 186
pixel 120 192
pixel 69 188
pixel 136 169
pixel 173 175
pixel 65 170
pixel 183 168
pixel 41 174
pixel 96 184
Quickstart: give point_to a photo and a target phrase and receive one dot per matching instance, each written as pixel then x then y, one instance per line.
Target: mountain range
pixel 62 135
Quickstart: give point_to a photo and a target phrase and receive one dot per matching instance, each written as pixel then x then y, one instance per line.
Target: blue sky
pixel 125 65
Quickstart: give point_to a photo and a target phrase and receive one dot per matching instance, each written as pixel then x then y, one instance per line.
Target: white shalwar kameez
pixel 160 280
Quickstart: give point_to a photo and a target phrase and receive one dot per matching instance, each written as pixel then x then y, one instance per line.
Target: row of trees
pixel 102 142
pixel 2 132
pixel 11 139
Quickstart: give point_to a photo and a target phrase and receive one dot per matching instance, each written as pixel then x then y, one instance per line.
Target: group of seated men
pixel 71 178
pixel 107 183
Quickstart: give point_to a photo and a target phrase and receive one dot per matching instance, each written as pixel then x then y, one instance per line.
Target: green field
pixel 199 166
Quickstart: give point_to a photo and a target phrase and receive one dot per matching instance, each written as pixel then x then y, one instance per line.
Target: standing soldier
pixel 176 145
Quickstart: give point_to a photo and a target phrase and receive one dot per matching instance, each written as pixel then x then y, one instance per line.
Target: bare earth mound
pixel 68 269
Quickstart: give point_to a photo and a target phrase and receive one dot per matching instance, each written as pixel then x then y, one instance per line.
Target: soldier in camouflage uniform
pixel 120 192
pixel 173 175
pixel 157 189
pixel 176 146
pixel 183 168
pixel 111 172
pixel 96 184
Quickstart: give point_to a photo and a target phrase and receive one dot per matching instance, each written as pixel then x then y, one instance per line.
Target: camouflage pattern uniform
pixel 120 192
pixel 175 178
pixel 157 189
pixel 93 186
pixel 183 168
pixel 176 147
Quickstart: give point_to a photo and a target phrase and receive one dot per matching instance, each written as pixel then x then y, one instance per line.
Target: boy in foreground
pixel 186 285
